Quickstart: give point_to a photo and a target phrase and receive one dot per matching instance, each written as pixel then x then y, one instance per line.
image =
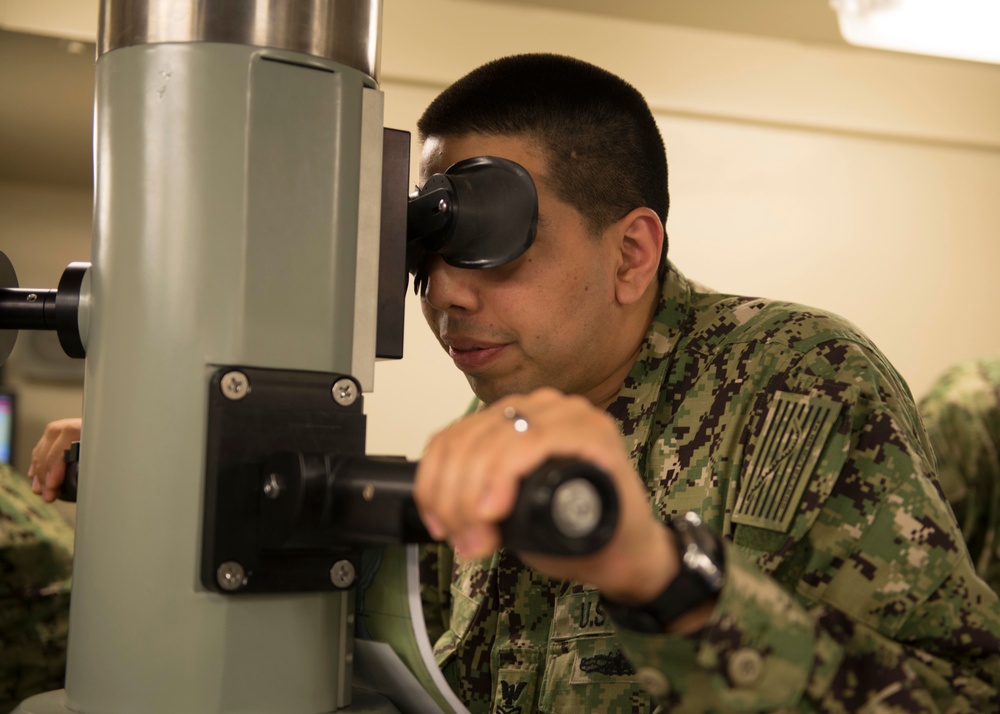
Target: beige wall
pixel 860 182
pixel 42 229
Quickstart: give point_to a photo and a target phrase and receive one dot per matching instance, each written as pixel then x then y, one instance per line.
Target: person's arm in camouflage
pixel 962 415
pixel 48 467
pixel 866 600
pixel 36 557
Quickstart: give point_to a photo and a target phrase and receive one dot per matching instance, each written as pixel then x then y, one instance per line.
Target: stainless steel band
pixel 345 31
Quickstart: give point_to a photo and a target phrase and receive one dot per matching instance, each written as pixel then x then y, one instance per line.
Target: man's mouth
pixel 471 356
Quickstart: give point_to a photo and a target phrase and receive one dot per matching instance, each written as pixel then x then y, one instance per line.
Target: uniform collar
pixel 636 402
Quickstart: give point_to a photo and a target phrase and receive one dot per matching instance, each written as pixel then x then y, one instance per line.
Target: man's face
pixel 546 319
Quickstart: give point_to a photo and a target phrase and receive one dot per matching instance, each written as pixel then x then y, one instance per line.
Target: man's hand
pixel 48 468
pixel 468 480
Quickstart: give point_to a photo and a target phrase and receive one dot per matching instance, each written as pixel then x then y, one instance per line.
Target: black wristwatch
pixel 701 577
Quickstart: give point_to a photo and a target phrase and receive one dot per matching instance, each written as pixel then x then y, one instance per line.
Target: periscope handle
pixel 565 508
pixel 68 489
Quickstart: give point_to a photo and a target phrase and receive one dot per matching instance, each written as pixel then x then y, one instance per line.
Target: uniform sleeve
pixel 849 587
pixel 36 552
pixel 962 416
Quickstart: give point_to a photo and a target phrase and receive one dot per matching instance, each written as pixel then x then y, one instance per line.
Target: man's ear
pixel 640 239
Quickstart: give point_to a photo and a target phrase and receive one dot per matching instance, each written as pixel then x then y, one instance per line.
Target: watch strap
pixel 690 588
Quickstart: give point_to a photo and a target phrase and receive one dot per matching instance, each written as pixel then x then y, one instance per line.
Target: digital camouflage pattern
pixel 36 555
pixel 848 587
pixel 962 415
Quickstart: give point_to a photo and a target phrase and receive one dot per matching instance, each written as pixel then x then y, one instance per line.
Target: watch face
pixel 700 579
pixel 701 550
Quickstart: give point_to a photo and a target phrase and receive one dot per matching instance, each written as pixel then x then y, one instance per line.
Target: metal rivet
pixel 235 385
pixel 443 206
pixel 345 392
pixel 746 667
pixel 653 681
pixel 231 576
pixel 343 574
pixel 272 486
pixel 368 492
pixel 32 297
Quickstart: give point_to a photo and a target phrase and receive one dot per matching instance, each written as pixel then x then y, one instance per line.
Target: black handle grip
pixel 566 507
pixel 67 491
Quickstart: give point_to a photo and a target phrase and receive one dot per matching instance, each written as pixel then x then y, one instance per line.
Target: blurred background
pixel 863 181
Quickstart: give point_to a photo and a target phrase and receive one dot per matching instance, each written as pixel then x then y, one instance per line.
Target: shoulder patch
pixel 789 446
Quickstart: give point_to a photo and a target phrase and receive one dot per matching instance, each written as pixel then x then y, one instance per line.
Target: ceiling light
pixel 959 29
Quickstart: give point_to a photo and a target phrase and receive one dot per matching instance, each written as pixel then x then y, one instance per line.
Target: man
pixel 962 415
pixel 826 572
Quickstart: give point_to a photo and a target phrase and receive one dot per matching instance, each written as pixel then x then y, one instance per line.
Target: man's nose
pixel 451 289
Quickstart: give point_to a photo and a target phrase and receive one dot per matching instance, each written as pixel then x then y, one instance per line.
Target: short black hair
pixel 605 153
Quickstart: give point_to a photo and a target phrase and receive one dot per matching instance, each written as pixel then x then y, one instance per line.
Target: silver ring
pixel 520 423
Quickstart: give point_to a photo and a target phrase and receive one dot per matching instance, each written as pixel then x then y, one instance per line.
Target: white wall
pixel 855 181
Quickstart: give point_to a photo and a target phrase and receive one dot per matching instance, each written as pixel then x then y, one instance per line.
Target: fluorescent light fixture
pixel 959 29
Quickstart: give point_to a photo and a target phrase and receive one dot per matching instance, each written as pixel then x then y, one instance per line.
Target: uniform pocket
pixel 463 610
pixel 587 670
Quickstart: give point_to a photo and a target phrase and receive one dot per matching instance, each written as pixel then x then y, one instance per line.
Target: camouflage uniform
pixel 36 554
pixel 962 416
pixel 848 588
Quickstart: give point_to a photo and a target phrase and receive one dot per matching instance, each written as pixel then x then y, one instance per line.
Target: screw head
pixel 345 392
pixel 273 486
pixel 235 385
pixel 231 576
pixel 343 574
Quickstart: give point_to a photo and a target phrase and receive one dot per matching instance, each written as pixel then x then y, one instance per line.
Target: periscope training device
pixel 252 234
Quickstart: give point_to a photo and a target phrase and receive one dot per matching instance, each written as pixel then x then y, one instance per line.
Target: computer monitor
pixel 8 414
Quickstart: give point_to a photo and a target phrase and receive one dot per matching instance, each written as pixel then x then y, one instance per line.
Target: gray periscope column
pixel 238 157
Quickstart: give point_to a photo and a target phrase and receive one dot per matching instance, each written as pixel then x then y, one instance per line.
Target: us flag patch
pixel 794 434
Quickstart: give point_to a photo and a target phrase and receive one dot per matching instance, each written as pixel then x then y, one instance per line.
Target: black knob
pixel 566 507
pixel 67 492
